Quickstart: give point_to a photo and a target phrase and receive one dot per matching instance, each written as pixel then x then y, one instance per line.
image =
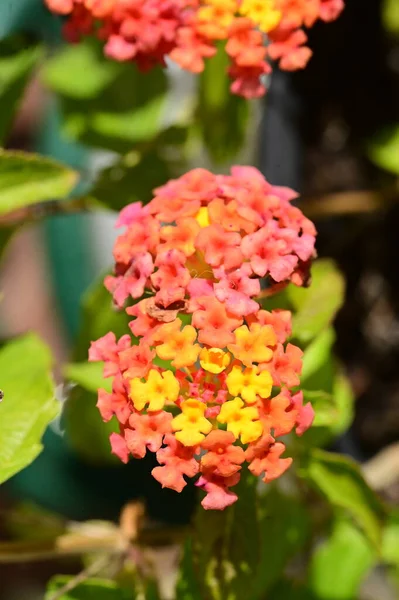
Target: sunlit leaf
pixel 105 103
pixel 28 405
pixel 339 479
pixel 390 540
pixel 29 178
pixel 88 375
pixel 384 149
pixel 316 356
pixel 340 563
pixel 80 71
pixel 317 305
pixel 390 16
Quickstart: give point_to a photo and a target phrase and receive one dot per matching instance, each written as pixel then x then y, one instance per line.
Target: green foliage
pixel 327 388
pixel 243 551
pixel 222 117
pixel 28 405
pixel 6 234
pixel 390 16
pixel 80 71
pixel 340 481
pixel 91 589
pixel 242 540
pixel 105 103
pixel 188 586
pixel 26 179
pixel 86 432
pixel 318 368
pixel 99 317
pixel 27 521
pixel 316 307
pixel 390 539
pixel 132 179
pixel 383 150
pixel 18 57
pixel 87 375
pixel 340 563
pixel 284 525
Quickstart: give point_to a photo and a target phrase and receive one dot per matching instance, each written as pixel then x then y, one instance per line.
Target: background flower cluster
pixel 256 32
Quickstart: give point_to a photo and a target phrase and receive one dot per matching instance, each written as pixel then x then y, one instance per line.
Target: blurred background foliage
pixel 113 134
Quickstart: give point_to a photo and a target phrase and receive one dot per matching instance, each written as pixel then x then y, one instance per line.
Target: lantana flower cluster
pixel 255 32
pixel 209 381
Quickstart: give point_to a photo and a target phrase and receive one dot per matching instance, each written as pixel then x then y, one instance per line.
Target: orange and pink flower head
pixel 208 381
pixel 255 32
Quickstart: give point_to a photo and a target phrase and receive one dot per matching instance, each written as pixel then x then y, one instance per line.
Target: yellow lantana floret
pixel 242 422
pixel 214 360
pixel 249 384
pixel 220 12
pixel 191 426
pixel 178 346
pixel 157 390
pixel 202 217
pixel 252 345
pixel 261 12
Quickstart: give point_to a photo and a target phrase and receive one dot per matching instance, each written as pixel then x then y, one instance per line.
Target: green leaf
pixel 339 479
pixel 222 117
pixel 207 551
pixel 188 587
pixel 88 375
pixel 27 521
pixel 341 563
pixel 88 435
pixel 390 16
pixel 28 405
pixel 80 71
pixel 383 150
pixel 28 178
pixel 99 317
pixel 285 589
pixel 316 356
pixel 326 413
pixel 6 234
pixel 131 180
pixel 317 305
pixel 105 103
pixel 91 589
pixel 243 539
pixel 333 412
pixel 18 57
pixel 327 388
pixel 390 540
pixel 136 125
pixel 284 529
pixel 345 402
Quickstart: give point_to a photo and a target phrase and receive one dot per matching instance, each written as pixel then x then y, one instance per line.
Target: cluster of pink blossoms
pixel 209 382
pixel 187 31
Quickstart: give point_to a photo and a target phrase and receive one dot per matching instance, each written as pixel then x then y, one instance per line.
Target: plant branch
pixel 48 208
pixel 90 571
